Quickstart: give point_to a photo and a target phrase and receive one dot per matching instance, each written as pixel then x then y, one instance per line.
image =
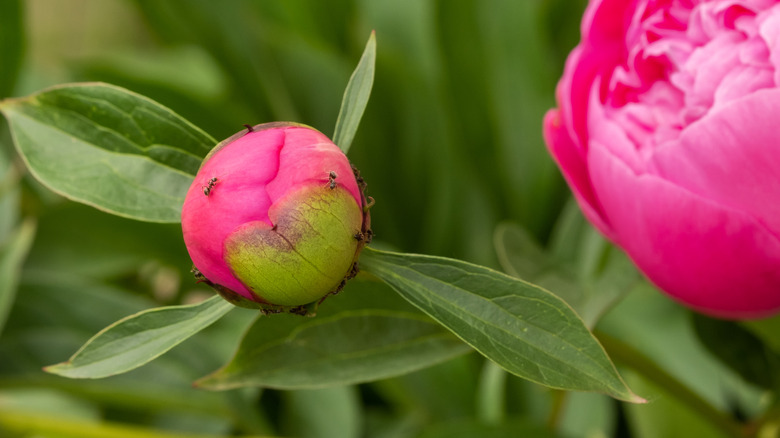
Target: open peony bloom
pixel 275 216
pixel 668 132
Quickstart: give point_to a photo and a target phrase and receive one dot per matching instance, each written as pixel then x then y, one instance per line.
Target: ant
pixel 212 183
pixel 332 179
pixel 364 237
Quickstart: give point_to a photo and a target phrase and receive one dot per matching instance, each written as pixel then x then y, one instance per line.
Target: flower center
pixel 685 58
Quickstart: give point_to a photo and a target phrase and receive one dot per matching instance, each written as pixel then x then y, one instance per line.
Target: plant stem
pixel 231 405
pixel 491 394
pixel 556 409
pixel 26 423
pixel 633 358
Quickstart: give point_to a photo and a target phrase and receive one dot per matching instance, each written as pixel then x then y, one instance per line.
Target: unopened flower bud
pixel 275 216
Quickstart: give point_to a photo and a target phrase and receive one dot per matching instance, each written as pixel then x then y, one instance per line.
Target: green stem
pixel 633 358
pixel 491 394
pixel 133 397
pixel 767 426
pixel 233 407
pixel 26 423
pixel 556 409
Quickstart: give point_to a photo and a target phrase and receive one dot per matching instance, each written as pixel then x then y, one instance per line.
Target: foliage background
pixel 451 148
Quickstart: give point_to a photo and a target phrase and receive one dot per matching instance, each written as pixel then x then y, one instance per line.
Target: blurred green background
pixel 451 142
pixel 452 150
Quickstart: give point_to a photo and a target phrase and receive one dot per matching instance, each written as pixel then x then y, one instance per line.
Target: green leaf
pixel 134 341
pixel 668 416
pixel 521 327
pixel 10 175
pixel 47 401
pixel 357 336
pixel 109 148
pixel 56 311
pixel 653 336
pixel 356 97
pixel 598 278
pixel 323 413
pixel 11 44
pixel 587 414
pixel 12 255
pixel 566 236
pixel 109 247
pixel 446 390
pixel 518 253
pixel 739 349
pixel 767 329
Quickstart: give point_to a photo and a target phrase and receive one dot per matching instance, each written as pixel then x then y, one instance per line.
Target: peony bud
pixel 667 134
pixel 275 217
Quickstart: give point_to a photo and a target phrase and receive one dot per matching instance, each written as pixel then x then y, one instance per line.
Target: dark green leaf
pixel 523 328
pixel 108 245
pixel 140 338
pixel 108 147
pixel 740 350
pixel 357 336
pixel 356 97
pixel 228 31
pixel 767 329
pixel 11 44
pixel 446 390
pixel 12 255
pixel 471 429
pixel 9 193
pixel 55 312
pixel 520 77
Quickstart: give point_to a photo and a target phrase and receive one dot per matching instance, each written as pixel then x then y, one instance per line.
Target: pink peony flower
pixel 275 215
pixel 668 131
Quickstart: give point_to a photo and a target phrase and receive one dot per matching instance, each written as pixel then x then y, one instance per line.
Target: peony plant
pixel 275 218
pixel 666 131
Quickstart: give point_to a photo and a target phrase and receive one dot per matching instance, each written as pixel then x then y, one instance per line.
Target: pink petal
pixel 770 32
pixel 709 256
pixel 307 157
pixel 239 196
pixel 731 157
pixel 572 163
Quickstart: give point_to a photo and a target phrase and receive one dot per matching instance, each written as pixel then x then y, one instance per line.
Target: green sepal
pixel 239 300
pixel 308 251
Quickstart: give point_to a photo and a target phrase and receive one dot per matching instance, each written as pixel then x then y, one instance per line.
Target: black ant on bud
pixel 364 237
pixel 332 179
pixel 207 188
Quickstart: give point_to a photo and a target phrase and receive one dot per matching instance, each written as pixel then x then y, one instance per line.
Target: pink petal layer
pixel 704 254
pixel 307 158
pixel 572 163
pixel 732 157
